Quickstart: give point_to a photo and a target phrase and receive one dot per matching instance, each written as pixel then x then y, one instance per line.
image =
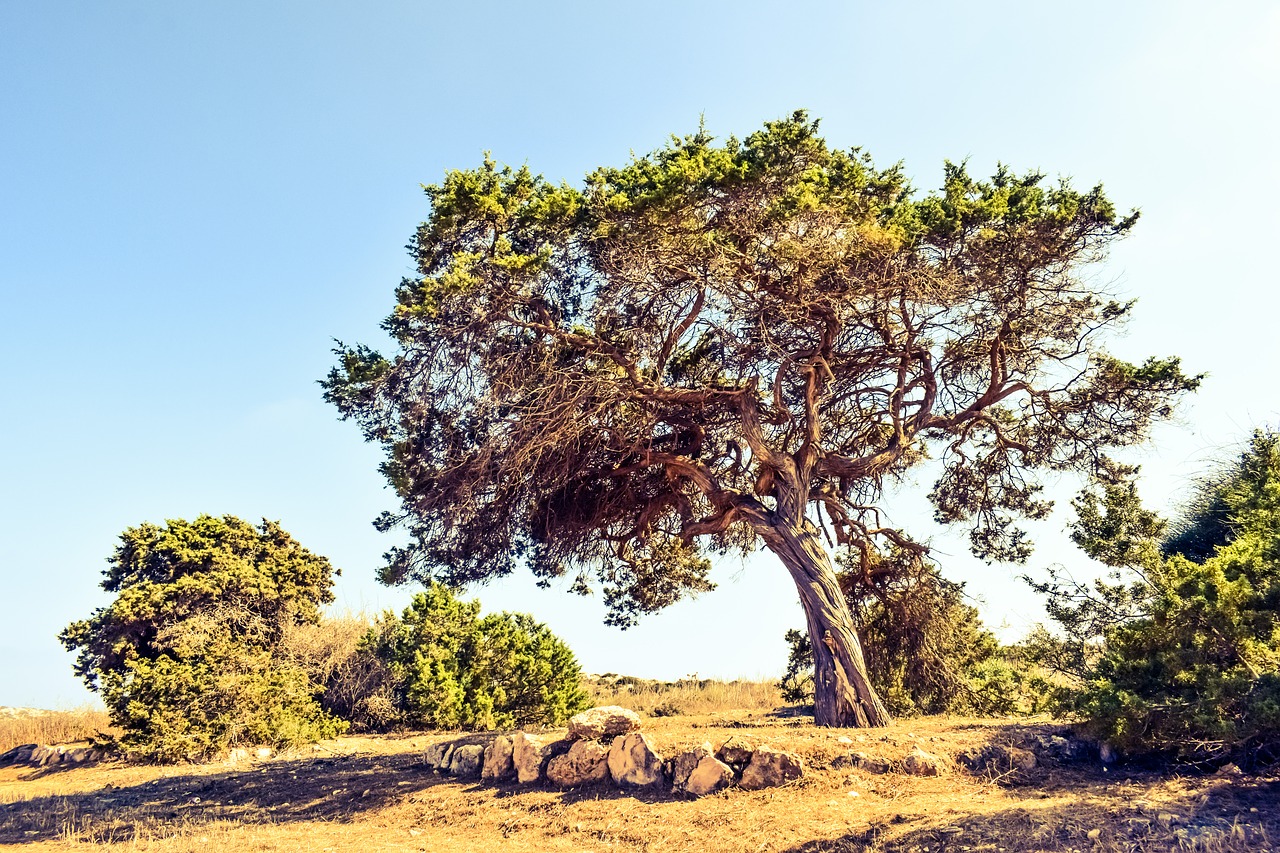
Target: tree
pixel 450 669
pixel 1175 655
pixel 720 346
pixel 927 651
pixel 185 657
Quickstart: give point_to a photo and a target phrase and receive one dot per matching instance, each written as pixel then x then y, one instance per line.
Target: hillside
pixel 374 793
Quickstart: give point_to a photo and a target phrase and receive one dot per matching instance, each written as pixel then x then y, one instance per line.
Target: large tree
pixel 722 345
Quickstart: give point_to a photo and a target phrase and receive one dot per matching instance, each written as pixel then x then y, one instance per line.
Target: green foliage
pixel 451 669
pixel 926 649
pixel 185 657
pixel 1179 657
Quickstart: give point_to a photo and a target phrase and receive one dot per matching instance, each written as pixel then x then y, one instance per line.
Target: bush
pixel 450 669
pixel 186 657
pixel 926 649
pixel 1178 654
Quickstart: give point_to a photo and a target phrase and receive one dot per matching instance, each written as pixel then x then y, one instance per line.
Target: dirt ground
pixel 374 794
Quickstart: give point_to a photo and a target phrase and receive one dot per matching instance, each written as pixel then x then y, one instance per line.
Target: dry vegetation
pixel 19 726
pixel 372 793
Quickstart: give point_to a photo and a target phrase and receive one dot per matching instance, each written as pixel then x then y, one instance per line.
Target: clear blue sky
pixel 196 198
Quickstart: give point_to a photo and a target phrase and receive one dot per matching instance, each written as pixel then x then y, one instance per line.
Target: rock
pixel 1107 753
pixel 736 750
pixel 698 772
pixel 1166 819
pixel 44 756
pixel 264 752
pixel 1229 770
pixel 634 761
pixel 1094 834
pixel 77 755
pixel 465 761
pixel 19 754
pixel 529 754
pixel 870 763
pixel 601 722
pixel 999 758
pixel 845 739
pixel 585 763
pixel 235 756
pixel 770 768
pixel 497 760
pixel 921 763
pixel 437 755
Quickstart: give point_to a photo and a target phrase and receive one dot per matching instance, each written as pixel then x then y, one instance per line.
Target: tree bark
pixel 843 695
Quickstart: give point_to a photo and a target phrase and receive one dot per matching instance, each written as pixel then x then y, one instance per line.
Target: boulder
pixel 529 754
pixel 870 763
pixel 497 760
pixel 999 758
pixel 44 756
pixel 921 763
pixel 737 750
pixel 1107 753
pixel 698 772
pixel 437 755
pixel 634 761
pixel 770 768
pixel 585 763
pixel 605 721
pixel 465 761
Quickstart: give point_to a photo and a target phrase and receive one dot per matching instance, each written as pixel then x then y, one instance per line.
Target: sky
pixel 196 200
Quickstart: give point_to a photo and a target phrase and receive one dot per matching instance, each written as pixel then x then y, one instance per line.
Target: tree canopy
pixel 185 656
pixel 720 345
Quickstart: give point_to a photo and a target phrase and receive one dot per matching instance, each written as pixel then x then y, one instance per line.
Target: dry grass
pixel 684 697
pixel 45 727
pixel 372 793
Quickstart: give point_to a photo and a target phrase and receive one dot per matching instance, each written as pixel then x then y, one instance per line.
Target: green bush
pixel 1179 656
pixel 450 669
pixel 186 657
pixel 926 649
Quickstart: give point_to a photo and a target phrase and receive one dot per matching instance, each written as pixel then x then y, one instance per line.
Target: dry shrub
pixel 686 696
pixel 52 727
pixel 355 682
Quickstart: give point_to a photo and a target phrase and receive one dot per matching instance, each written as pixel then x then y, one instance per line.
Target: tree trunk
pixel 842 692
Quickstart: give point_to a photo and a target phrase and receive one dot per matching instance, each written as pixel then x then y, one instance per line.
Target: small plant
pixel 448 668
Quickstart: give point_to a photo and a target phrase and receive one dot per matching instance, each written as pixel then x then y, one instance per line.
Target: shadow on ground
pixel 1224 816
pixel 333 789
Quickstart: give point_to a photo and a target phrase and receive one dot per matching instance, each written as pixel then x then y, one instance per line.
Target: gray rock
pixel 437 755
pixel 871 763
pixel 585 763
pixel 999 758
pixel 605 721
pixel 921 763
pixel 497 760
pixel 634 761
pixel 1107 753
pixel 465 761
pixel 770 768
pixel 737 750
pixel 529 754
pixel 698 772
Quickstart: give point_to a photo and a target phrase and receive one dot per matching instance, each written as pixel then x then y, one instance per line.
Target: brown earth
pixel 374 794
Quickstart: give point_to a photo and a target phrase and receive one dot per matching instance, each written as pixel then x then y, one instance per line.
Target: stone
pixel 698 772
pixel 604 721
pixel 264 752
pixel 44 756
pixel 235 756
pixel 736 750
pixel 1107 753
pixel 585 763
pixel 633 761
pixel 497 760
pixel 465 761
pixel 770 768
pixel 999 758
pixel 437 754
pixel 529 754
pixel 921 763
pixel 870 763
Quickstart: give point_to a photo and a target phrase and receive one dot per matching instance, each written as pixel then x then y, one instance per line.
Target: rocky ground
pixel 931 784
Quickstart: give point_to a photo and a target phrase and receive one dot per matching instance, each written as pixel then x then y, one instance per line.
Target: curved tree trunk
pixel 843 695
